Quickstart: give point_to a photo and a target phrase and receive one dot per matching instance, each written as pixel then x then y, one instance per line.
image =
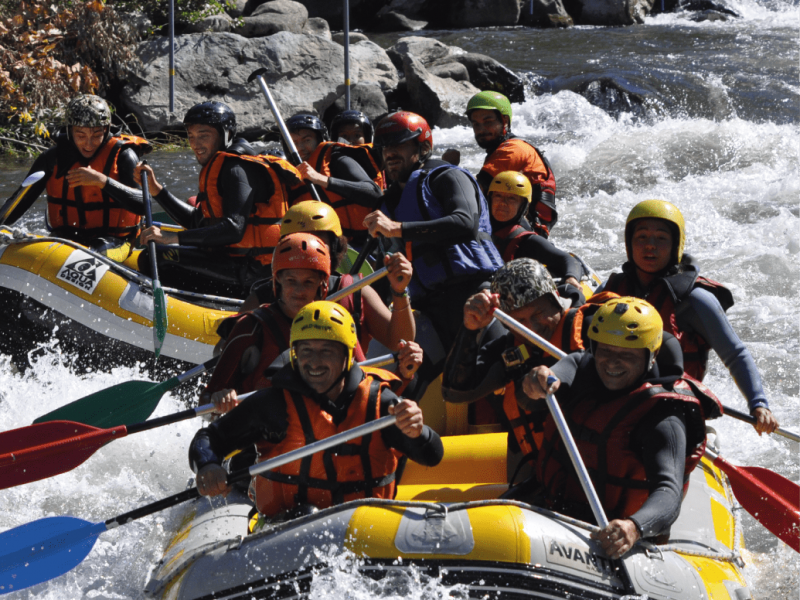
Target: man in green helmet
pixel 490 116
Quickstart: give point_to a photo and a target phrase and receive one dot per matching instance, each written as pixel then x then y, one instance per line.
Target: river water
pixel 717 135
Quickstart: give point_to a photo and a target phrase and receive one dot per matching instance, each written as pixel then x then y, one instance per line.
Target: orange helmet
pixel 301 251
pixel 400 127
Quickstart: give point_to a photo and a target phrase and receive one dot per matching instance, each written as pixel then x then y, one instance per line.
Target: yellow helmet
pixel 324 320
pixel 657 209
pixel 309 216
pixel 512 182
pixel 627 322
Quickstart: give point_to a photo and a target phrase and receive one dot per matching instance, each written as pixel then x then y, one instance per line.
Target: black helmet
pixel 355 117
pixel 217 114
pixel 307 121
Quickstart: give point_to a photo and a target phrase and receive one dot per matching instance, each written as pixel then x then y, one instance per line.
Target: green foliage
pixel 186 11
pixel 52 51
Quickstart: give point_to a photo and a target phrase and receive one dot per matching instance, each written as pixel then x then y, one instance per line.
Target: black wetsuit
pixel 197 263
pixel 263 416
pixel 660 439
pixel 62 157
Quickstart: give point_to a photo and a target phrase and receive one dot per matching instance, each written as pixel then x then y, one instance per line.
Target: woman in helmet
pixel 321 393
pixel 692 307
pixel 509 197
pixel 642 427
pixel 92 197
pixel 353 127
pixel 301 268
pixel 347 177
pixel 230 235
pixel 489 113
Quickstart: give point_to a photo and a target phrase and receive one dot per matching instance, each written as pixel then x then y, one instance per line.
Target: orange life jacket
pixel 89 208
pixel 351 215
pixel 362 468
pixel 666 295
pixel 262 231
pixel 603 433
pixel 515 154
pixel 570 336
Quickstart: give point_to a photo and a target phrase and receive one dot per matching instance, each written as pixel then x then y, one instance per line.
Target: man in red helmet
pixel 438 212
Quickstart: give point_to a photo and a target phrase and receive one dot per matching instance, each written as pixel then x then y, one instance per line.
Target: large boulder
pixel 545 13
pixel 274 16
pixel 354 36
pixel 488 74
pixel 304 72
pixel 609 12
pixel 317 26
pixel 441 101
pixel 213 23
pixel 394 21
pixel 425 50
pixel 368 97
pixel 482 13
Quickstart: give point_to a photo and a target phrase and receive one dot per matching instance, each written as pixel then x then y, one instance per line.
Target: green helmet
pixel 489 100
pixel 88 110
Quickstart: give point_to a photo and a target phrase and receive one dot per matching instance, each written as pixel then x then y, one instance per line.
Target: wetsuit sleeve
pixel 472 371
pixel 259 417
pixel 427 449
pixel 179 211
pixel 565 369
pixel 459 201
pixel 44 162
pixel 348 179
pixel 559 263
pixel 239 183
pixel 125 190
pixel 706 317
pixel 662 440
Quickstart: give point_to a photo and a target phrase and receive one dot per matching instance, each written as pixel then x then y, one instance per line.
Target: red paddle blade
pixel 46 449
pixel 773 500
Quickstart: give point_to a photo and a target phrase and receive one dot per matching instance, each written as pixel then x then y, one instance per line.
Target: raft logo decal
pixel 577 557
pixel 83 271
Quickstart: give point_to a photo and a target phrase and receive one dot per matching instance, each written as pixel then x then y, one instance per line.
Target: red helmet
pixel 401 127
pixel 301 251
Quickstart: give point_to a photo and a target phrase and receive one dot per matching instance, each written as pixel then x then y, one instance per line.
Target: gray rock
pixel 482 13
pixel 409 8
pixel 394 21
pixel 488 74
pixel 441 101
pixel 317 26
pixel 274 16
pixel 236 8
pixel 612 12
pixel 614 97
pixel 355 37
pixel 305 72
pixel 214 23
pixel 426 50
pixel 450 70
pixel 546 13
pixel 368 97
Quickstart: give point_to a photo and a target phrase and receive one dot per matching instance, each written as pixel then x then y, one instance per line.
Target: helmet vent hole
pixel 595 329
pixel 621 308
pixel 316 315
pixel 335 320
pixel 631 338
pixel 316 217
pixel 633 325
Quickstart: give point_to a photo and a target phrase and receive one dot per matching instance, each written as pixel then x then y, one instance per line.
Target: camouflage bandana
pixel 521 282
pixel 88 111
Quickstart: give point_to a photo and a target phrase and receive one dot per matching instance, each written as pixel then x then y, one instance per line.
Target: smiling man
pixel 321 393
pixel 92 197
pixel 639 427
pixel 231 234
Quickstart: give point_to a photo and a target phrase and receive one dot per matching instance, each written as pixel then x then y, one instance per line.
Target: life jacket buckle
pixel 515 357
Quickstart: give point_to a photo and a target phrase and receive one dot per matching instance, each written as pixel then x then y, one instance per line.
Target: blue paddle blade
pixel 159 316
pixel 42 550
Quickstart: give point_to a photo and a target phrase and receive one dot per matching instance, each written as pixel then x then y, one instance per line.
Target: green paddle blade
pixel 123 404
pixel 159 316
pixel 348 261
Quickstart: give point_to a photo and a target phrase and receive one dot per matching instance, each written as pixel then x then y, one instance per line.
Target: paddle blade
pixel 773 500
pixel 14 202
pixel 48 449
pixel 123 404
pixel 42 550
pixel 159 316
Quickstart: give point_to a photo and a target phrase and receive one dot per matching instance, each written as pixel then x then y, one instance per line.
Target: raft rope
pixel 18 236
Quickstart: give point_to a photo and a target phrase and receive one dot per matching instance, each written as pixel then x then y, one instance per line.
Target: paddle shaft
pixel 262 467
pixel 287 138
pixel 148 221
pixel 361 283
pixel 752 420
pixel 369 246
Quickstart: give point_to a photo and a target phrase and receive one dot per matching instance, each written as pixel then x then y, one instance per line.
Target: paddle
pixel 14 201
pixel 124 403
pixel 769 497
pixel 159 299
pixel 583 475
pixel 772 499
pixel 369 246
pixel 752 420
pixel 294 155
pixel 44 549
pixel 357 285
